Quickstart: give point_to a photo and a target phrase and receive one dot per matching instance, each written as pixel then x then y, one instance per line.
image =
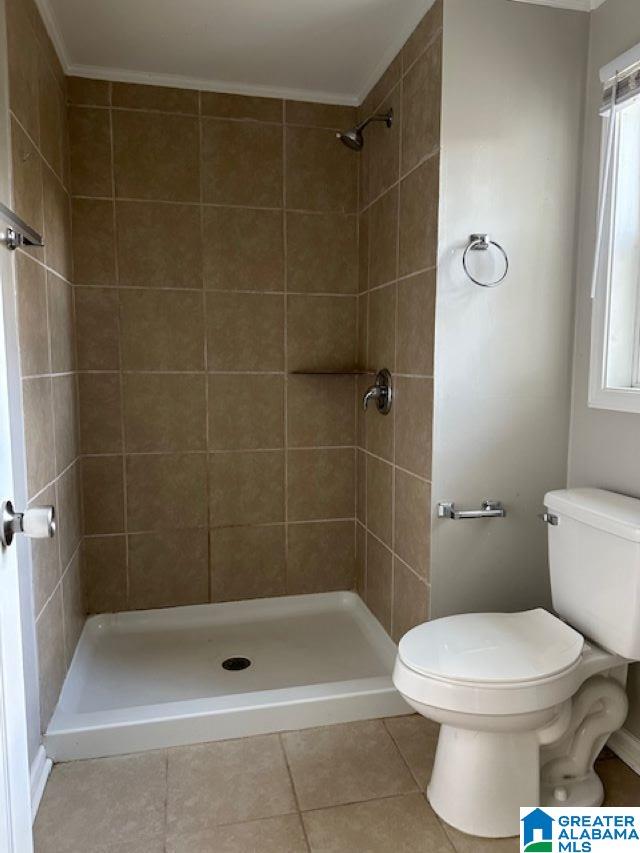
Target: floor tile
pixel 471 844
pixel 345 764
pixel 94 806
pixel 621 784
pixel 416 738
pixel 273 835
pixel 226 782
pixel 399 824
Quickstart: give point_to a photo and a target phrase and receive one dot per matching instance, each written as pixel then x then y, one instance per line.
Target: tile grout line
pixel 285 333
pixel 293 789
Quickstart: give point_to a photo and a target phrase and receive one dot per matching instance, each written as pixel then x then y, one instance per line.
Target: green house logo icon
pixel 537 832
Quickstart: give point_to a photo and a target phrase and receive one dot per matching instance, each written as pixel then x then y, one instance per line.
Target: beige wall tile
pixel 161 330
pixel 385 84
pixel 45 559
pixel 105 573
pixel 379 581
pixel 416 323
pixel 159 485
pixel 361 560
pixel 245 331
pixel 74 608
pixel 320 115
pixel 321 484
pixel 94 257
pixel 143 97
pixel 320 557
pixel 241 163
pixel 97 328
pixel 32 316
pixel 383 234
pixel 225 782
pixel 103 494
pixel 51 657
pixel 344 764
pixel 22 57
pixel 413 522
pixel 363 332
pixel 53 112
pixel 410 600
pixel 419 217
pixel 246 412
pixel 384 145
pixel 396 823
pixel 363 251
pixel 69 513
pixel 100 412
pixel 38 432
pixel 27 179
pixel 421 92
pixel 320 411
pixel 322 253
pixel 382 328
pixel 321 173
pixel 380 499
pixel 243 249
pixel 61 324
pixel 164 412
pixel 90 151
pixel 363 382
pixel 414 414
pixel 361 486
pixel 158 244
pixel 379 430
pixel 271 835
pixel 57 225
pixel 87 92
pixel 364 197
pixel 168 568
pixel 423 34
pixel 222 105
pixel 156 156
pixel 65 412
pixel 246 488
pixel 247 562
pixel 321 333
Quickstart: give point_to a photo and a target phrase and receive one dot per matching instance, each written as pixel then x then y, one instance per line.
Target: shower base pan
pixel 155 678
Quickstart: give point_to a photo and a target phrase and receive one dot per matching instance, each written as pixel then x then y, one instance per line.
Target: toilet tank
pixel 594 563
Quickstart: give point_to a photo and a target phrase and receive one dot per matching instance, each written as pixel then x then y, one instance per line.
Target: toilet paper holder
pixel 39 522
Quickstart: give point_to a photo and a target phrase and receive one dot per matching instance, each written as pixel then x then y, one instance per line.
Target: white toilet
pixel 527 700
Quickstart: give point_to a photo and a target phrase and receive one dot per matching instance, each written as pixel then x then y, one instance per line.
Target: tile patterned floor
pixel 352 788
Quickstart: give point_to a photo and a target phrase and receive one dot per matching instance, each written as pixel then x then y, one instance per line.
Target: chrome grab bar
pixel 490 509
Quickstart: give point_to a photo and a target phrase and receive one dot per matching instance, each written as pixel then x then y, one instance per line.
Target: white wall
pixel 513 91
pixel 603 445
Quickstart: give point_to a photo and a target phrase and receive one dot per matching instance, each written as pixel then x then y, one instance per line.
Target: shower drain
pixel 235 664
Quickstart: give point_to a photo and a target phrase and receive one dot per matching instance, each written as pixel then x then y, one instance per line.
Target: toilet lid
pixel 492 647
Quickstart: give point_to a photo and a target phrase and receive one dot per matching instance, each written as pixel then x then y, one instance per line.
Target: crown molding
pixel 572 5
pixel 117 75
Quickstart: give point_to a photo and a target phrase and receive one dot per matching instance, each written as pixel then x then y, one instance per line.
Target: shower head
pixel 353 137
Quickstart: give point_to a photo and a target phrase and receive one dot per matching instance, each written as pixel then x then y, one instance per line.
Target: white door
pixel 15 794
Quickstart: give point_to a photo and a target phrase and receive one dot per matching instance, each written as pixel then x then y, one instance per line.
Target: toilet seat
pixel 490 663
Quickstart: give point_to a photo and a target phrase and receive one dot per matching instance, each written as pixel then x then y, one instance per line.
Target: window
pixel 615 340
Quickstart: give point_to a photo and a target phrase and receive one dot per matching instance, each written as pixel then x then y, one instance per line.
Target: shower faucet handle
pixel 381 392
pixel 38 522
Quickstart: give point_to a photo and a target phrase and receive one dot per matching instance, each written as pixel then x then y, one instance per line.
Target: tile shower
pixel 238 278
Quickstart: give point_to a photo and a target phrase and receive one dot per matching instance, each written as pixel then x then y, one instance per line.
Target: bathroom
pixel 226 230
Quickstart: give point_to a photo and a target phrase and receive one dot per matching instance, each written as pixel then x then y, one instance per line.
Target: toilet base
pixel 481 779
pixel 581 793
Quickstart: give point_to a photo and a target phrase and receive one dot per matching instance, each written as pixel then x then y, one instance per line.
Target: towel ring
pixel 481 243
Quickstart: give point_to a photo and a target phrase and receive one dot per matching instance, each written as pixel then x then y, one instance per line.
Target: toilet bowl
pixel 501 686
pixel 525 701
